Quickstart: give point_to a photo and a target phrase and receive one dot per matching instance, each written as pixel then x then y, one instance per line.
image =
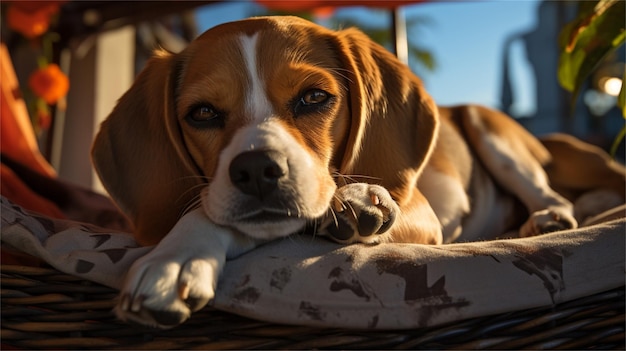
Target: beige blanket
pixel 310 281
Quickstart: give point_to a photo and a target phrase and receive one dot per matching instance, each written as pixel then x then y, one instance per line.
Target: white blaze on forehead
pixel 258 106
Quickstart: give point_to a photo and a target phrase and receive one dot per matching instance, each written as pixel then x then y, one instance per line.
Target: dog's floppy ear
pixel 393 120
pixel 140 156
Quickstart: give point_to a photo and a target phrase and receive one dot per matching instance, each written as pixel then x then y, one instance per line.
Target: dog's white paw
pixel 359 212
pixel 547 221
pixel 162 291
pixel 180 274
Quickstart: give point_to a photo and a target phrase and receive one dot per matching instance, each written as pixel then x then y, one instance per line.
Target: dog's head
pixel 256 119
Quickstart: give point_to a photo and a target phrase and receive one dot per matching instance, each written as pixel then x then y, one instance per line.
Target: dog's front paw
pixel 548 221
pixel 162 291
pixel 360 212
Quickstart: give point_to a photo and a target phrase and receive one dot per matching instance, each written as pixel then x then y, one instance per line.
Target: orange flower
pixel 31 18
pixel 30 25
pixel 49 83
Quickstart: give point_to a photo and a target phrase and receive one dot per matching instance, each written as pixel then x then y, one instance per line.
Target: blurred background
pixel 503 54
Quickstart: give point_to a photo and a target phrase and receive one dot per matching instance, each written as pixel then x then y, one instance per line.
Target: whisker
pixel 193 204
pixel 352 210
pixel 335 220
pixel 332 211
pixel 353 177
pixel 298 210
pixel 191 189
pixel 339 176
pixel 363 176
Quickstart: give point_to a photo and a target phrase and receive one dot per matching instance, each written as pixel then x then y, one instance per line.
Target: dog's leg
pixel 585 174
pixel 515 159
pixel 180 274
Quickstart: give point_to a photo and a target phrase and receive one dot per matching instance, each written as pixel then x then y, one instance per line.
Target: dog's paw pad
pixel 168 318
pixel 369 223
pixel 341 229
pixel 548 221
pixel 145 315
pixel 358 212
pixel 554 226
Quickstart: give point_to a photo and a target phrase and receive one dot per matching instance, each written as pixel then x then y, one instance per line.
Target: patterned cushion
pixel 310 281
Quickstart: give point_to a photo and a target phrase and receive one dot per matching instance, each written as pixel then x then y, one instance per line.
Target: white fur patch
pixel 447 198
pixel 258 106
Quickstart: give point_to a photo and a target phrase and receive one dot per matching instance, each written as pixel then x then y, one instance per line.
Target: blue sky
pixel 465 37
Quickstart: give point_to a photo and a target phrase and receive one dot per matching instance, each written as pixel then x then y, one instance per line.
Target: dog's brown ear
pixel 393 120
pixel 140 157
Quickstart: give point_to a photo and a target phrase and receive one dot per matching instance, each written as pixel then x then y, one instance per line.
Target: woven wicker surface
pixel 45 309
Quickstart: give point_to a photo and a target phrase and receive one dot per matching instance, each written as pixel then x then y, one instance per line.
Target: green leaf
pixel 424 57
pixel 596 33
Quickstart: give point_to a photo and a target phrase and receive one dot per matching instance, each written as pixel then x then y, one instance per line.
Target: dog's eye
pixel 314 96
pixel 205 116
pixel 203 113
pixel 311 101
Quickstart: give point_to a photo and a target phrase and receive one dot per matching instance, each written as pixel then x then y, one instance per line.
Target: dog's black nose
pixel 257 173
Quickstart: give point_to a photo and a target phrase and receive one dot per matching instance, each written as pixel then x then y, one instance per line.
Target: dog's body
pixel 272 124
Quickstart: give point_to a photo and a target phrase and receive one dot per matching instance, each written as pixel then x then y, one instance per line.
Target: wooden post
pixel 101 69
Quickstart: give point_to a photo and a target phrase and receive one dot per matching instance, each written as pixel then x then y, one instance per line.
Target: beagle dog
pixel 265 126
